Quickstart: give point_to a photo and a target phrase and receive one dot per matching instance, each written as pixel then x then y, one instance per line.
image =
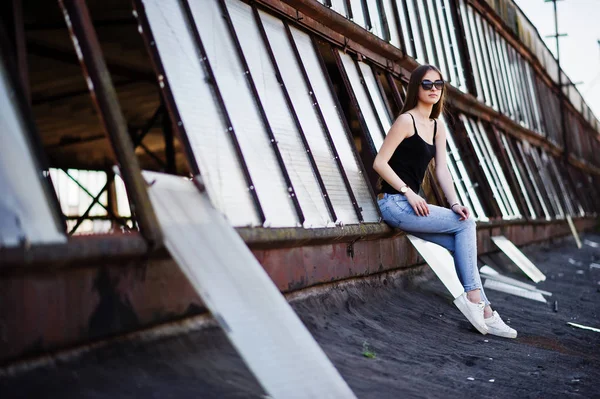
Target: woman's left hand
pixel 463 211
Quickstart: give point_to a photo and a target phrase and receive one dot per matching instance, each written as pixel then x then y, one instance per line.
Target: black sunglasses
pixel 428 84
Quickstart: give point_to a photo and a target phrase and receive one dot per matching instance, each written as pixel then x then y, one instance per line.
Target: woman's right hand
pixel 419 205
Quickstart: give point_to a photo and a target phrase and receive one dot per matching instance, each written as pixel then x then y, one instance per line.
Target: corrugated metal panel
pixel 333 118
pixel 305 109
pixel 25 212
pixel 240 295
pixel 206 130
pixel 287 135
pixel 362 97
pixel 376 96
pixel 242 109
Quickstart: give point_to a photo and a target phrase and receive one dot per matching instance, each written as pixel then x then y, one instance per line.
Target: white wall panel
pixel 388 9
pixel 307 114
pixel 25 212
pixel 376 96
pixel 260 158
pixel 362 97
pixel 293 152
pixel 201 117
pixel 333 118
pixel 358 16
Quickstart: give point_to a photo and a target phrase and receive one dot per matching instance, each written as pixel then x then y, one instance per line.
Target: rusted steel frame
pixel 31 133
pixel 339 30
pixel 108 209
pixel 79 252
pixel 211 80
pixel 83 217
pixel 266 124
pixel 396 17
pixel 166 91
pixel 436 59
pixel 345 122
pixel 322 120
pixel 290 105
pixel 439 28
pixel 105 99
pixel 371 103
pixel 463 49
pixel 384 21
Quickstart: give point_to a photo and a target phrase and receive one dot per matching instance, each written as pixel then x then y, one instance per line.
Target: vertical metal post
pixel 103 93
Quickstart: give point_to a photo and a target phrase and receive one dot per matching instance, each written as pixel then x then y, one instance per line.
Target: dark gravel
pixel 423 347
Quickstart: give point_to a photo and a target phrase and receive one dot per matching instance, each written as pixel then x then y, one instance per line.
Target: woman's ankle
pixel 487 312
pixel 474 295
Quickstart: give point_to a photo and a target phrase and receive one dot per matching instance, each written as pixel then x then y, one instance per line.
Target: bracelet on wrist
pixel 452 206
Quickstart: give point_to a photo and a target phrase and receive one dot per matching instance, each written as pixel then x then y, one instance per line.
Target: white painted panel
pixel 518 174
pixel 250 131
pixel 307 114
pixel 362 97
pixel 376 96
pixel 358 16
pixel 419 45
pixel 288 137
pixel 574 231
pixel 254 315
pixel 512 281
pixel 339 6
pixel 388 9
pixel 464 176
pixel 25 211
pixel 519 258
pixel 404 28
pixel 511 289
pixel 376 27
pixel 441 262
pixel 340 136
pixel 200 115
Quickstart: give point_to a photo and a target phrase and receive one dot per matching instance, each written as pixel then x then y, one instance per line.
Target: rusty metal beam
pixel 105 100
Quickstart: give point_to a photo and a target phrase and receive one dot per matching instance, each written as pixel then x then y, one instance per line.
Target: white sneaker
pixel 472 311
pixel 496 326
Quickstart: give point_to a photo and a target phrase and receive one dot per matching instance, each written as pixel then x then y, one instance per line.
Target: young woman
pixel 413 140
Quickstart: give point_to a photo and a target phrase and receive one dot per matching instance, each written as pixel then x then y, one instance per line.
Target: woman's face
pixel 430 96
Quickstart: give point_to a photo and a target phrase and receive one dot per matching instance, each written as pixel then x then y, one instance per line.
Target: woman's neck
pixel 423 111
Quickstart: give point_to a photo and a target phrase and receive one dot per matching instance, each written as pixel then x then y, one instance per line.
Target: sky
pixel 580 50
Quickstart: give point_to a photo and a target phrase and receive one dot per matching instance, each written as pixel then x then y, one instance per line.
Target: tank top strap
pixel 434 129
pixel 414 124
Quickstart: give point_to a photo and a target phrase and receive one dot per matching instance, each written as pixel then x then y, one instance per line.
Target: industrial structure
pixel 275 109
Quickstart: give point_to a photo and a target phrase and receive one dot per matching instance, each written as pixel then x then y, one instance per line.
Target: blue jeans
pixel 443 227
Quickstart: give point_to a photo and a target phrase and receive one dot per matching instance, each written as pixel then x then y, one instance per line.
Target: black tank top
pixel 410 160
